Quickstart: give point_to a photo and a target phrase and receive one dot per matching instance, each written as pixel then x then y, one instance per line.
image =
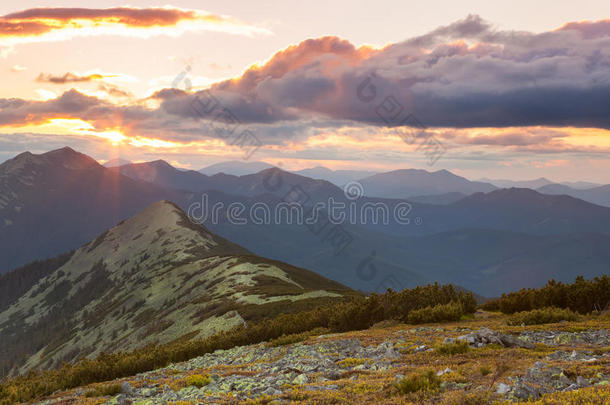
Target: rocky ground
pixel 567 361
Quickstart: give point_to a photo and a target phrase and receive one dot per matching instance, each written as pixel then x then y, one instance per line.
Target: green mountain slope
pixel 153 278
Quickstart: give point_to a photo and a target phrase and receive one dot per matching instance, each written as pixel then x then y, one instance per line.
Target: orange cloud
pixel 52 24
pixel 69 78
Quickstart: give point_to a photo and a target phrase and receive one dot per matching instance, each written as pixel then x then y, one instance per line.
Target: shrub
pixel 350 362
pixel 197 380
pixel 583 296
pixel 485 370
pixel 426 381
pixel 540 316
pixel 438 313
pixel 104 390
pixel 457 347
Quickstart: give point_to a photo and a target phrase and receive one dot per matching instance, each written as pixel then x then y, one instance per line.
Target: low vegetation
pixel 582 296
pixel 450 349
pixel 542 316
pixel 438 313
pixel 426 381
pixel 104 390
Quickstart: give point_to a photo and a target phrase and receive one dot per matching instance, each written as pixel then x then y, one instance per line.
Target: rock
pixel 333 375
pixel 485 336
pixel 419 349
pixel 271 391
pixel 443 372
pixel 449 340
pixel 126 389
pixel 300 379
pixel 502 388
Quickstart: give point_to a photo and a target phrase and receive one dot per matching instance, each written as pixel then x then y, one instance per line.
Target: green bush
pixel 198 380
pixel 426 381
pixel 438 313
pixel 457 347
pixel 540 316
pixel 582 296
pixel 104 390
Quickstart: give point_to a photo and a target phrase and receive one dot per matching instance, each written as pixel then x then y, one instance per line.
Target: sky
pixel 505 89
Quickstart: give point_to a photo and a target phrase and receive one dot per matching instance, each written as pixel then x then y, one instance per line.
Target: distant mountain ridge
pixel 337 177
pixel 117 162
pixel 235 168
pixel 407 183
pixel 53 203
pixel 596 195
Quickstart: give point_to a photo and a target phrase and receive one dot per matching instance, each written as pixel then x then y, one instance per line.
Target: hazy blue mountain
pixel 581 185
pixel 596 195
pixel 55 202
pixel 235 168
pixel 438 199
pixel 337 177
pixel 533 184
pixel 407 183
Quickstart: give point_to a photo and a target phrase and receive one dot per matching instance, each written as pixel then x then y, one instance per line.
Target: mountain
pixel 235 168
pixel 438 199
pixel 523 210
pixel 407 183
pixel 533 184
pixel 153 278
pixel 69 200
pixel 116 162
pixel 56 201
pixel 597 195
pixel 337 177
pixel 269 181
pixel 162 174
pixel 581 185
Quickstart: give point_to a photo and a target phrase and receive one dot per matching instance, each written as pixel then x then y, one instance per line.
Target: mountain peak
pixel 161 230
pixel 69 158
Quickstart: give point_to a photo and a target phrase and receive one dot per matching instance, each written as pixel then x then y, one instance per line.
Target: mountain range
pixel 407 183
pixel 55 202
pixel 337 177
pixel 235 168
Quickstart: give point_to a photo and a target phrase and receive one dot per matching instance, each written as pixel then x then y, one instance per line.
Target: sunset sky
pixel 507 89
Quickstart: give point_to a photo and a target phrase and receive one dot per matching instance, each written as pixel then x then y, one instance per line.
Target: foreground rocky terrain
pixel 474 361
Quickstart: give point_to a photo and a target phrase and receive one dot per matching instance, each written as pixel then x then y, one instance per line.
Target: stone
pixel 443 372
pixel 502 388
pixel 300 379
pixel 126 389
pixel 485 336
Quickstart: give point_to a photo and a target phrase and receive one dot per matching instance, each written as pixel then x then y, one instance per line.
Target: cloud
pixel 69 78
pixel 18 68
pixel 465 75
pixel 53 24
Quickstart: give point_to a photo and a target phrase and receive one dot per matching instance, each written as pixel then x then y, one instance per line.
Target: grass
pixel 425 381
pixel 438 313
pixel 104 390
pixel 542 316
pixel 457 347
